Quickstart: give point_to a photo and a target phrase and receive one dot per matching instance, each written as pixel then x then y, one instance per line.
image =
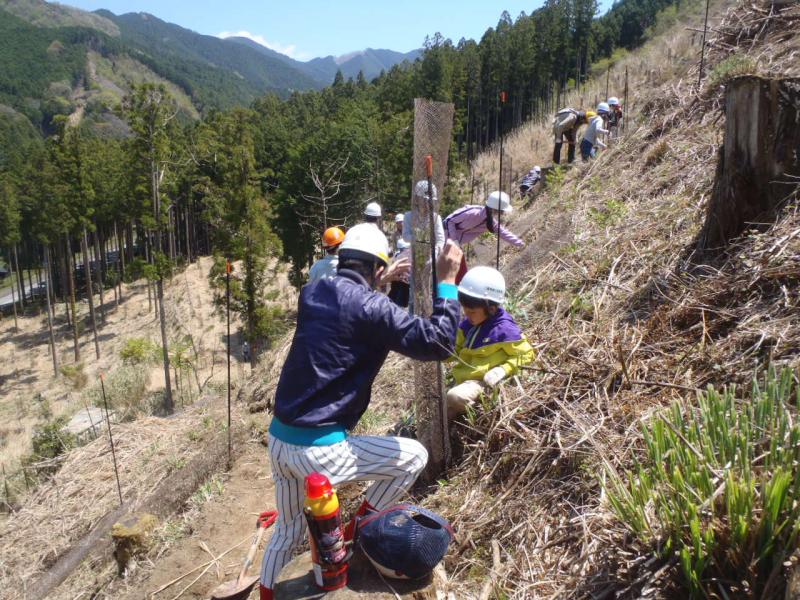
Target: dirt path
pixel 224 521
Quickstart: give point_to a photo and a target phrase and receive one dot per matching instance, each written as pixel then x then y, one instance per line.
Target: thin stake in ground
pixel 228 316
pixel 110 438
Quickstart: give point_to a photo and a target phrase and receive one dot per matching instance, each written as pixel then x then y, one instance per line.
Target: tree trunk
pixel 759 165
pixel 186 227
pixel 87 267
pixel 13 299
pixel 100 262
pixel 49 316
pixel 169 404
pixel 20 280
pixel 71 280
pixel 120 263
pixel 64 264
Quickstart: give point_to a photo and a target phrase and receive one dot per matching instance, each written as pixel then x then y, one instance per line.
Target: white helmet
pixel 365 241
pixel 373 210
pixel 421 189
pixel 402 244
pixel 399 217
pixel 613 101
pixel 603 108
pixel 499 201
pixel 484 283
pixel 537 169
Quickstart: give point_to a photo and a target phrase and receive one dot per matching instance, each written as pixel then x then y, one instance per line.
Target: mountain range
pixel 55 58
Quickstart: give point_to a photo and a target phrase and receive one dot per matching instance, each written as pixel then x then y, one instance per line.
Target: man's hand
pixel 399 269
pixel 448 262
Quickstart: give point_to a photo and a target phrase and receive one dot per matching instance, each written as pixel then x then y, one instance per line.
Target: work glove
pixel 494 376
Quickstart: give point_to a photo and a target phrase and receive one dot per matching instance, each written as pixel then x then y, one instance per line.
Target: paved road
pixel 6 299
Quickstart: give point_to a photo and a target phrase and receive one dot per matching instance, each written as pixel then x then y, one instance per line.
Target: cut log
pixel 759 162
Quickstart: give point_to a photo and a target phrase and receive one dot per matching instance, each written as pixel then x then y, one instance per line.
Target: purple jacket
pixel 468 222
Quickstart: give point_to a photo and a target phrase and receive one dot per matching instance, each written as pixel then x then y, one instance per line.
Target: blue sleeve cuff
pixel 448 291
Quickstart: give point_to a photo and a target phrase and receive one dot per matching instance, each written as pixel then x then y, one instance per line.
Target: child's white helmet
pixel 484 283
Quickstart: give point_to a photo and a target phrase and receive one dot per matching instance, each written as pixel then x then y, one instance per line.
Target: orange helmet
pixel 333 236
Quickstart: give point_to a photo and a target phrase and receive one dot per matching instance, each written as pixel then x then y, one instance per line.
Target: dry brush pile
pixel 626 321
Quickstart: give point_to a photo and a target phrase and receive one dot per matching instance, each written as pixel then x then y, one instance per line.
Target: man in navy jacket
pixel 345 330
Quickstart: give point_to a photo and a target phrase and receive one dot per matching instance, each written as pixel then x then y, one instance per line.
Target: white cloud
pixel 289 50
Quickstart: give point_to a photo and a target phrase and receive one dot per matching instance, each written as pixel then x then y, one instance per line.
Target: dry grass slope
pixel 625 323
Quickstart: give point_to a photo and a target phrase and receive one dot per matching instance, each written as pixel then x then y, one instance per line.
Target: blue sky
pixel 304 29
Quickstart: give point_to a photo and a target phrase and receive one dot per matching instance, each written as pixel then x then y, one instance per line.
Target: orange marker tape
pixel 429 165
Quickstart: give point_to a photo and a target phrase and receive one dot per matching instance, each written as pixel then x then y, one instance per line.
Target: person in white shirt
pixel 327 266
pixel 591 139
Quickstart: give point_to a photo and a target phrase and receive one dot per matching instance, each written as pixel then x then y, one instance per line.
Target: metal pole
pixel 624 120
pixel 703 48
pixel 228 311
pixel 110 439
pixel 502 104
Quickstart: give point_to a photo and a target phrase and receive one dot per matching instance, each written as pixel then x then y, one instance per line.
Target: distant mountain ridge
pixel 59 60
pixel 370 61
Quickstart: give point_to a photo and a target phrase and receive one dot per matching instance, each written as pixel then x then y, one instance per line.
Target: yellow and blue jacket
pixel 498 341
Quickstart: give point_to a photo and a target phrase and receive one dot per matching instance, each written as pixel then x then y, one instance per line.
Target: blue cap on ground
pixel 404 541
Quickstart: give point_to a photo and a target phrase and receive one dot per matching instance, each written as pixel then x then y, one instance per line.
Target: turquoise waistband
pixel 307 436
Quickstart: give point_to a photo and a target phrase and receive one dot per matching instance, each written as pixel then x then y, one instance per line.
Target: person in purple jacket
pixel 470 221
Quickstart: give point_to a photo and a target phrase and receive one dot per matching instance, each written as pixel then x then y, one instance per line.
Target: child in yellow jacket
pixel 489 345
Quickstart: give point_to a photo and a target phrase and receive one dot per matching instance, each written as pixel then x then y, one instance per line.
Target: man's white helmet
pixel 613 101
pixel 399 217
pixel 484 283
pixel 603 108
pixel 421 189
pixel 537 169
pixel 499 201
pixel 373 210
pixel 365 241
pixel 402 244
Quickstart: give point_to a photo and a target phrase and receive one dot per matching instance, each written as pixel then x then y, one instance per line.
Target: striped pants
pixel 392 463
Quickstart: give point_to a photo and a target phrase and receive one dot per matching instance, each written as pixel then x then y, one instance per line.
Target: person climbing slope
pixel 470 221
pixel 591 137
pixel 326 266
pixel 345 330
pixel 565 126
pixel 489 344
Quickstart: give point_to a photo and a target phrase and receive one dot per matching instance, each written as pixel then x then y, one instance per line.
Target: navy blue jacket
pixel 344 333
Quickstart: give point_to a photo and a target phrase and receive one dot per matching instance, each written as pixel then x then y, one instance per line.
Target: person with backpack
pixel 565 126
pixel 470 221
pixel 489 345
pixel 591 137
pixel 345 331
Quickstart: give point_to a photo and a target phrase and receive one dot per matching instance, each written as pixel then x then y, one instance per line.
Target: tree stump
pixel 131 538
pixel 759 162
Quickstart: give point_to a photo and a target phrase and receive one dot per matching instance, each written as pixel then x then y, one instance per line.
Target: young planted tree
pixel 150 112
